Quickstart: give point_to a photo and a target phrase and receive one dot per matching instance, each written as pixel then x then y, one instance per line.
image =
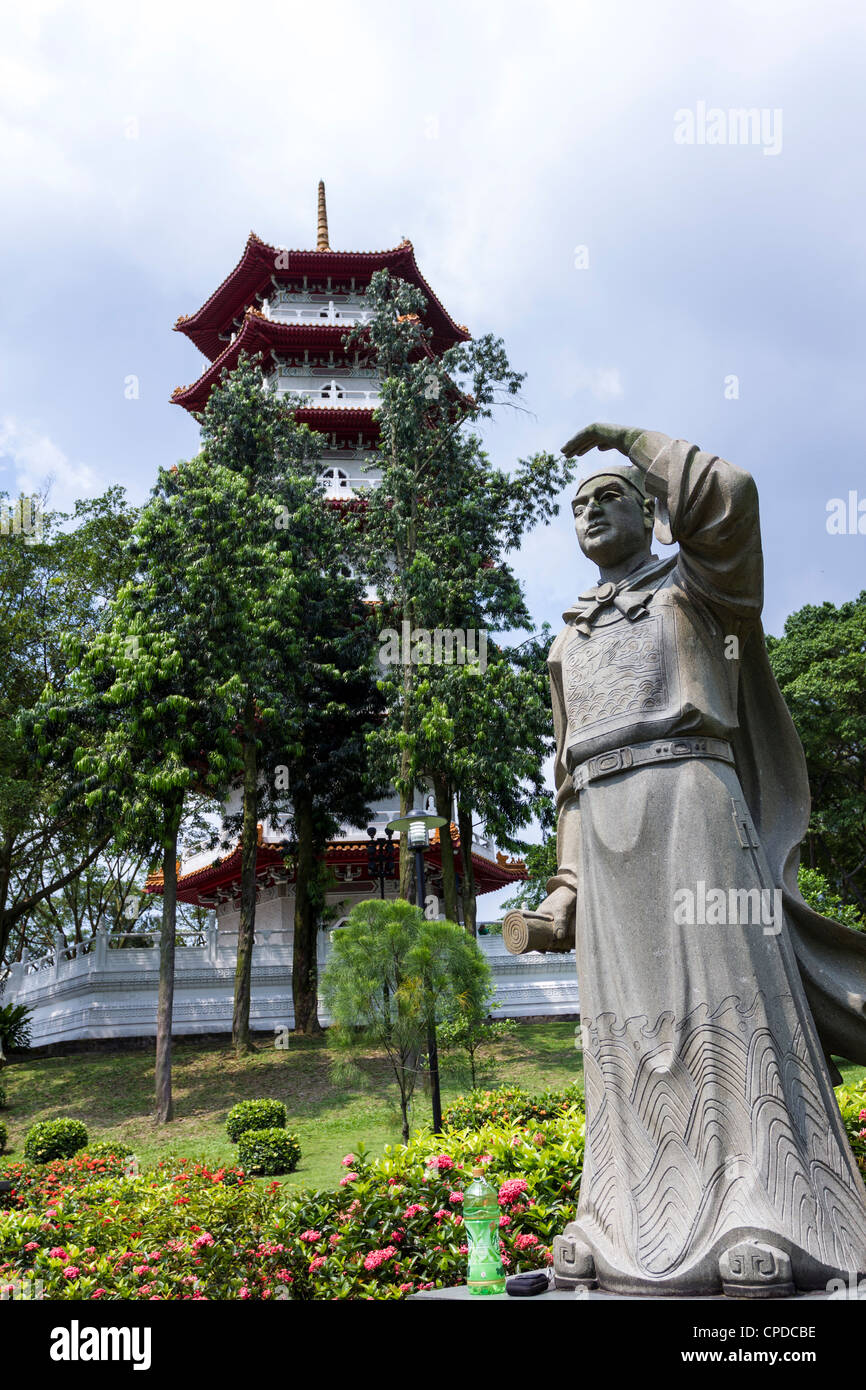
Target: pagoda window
pixel 333 478
pixel 333 390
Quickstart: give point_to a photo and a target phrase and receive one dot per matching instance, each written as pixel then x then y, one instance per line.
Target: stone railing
pixel 101 990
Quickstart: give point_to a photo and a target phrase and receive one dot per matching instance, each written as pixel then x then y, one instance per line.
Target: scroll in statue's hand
pixel 600 436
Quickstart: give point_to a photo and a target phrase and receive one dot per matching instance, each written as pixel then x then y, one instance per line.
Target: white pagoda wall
pixel 109 993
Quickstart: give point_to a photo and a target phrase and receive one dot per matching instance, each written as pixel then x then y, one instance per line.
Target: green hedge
pixel 109 1148
pixel 51 1139
pixel 268 1151
pixel 4 1134
pixel 254 1114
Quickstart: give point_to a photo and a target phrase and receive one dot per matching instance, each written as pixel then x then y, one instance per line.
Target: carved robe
pixel 711 1116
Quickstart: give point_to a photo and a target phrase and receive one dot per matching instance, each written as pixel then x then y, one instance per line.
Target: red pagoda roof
pixel 221 878
pixel 252 277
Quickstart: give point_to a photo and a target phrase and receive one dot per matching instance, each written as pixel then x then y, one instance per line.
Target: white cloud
pixel 31 462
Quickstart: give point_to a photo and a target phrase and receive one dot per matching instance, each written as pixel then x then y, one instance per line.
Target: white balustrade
pixel 102 989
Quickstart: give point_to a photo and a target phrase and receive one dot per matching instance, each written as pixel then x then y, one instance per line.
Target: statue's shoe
pixel 573 1263
pixel 753 1269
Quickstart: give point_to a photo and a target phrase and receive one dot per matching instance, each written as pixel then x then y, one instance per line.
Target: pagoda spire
pixel 322 229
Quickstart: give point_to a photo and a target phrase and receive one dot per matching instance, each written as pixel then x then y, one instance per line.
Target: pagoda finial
pixel 322 230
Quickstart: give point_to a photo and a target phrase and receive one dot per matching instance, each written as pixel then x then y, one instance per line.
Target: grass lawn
pixel 113 1094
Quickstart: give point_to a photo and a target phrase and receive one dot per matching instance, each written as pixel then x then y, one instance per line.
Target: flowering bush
pixel 392 1226
pixel 254 1114
pixel 108 1148
pixel 509 1105
pixel 852 1103
pixel 50 1139
pixel 269 1150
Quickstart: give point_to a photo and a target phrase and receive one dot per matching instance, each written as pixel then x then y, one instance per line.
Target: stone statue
pixel 712 997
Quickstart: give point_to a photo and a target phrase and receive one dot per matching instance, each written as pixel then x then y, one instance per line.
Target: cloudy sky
pixel 537 156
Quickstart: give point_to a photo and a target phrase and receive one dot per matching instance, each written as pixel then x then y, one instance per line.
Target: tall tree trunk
pixel 305 974
pixel 442 792
pixel 405 786
pixel 167 937
pixel 247 924
pixel 464 825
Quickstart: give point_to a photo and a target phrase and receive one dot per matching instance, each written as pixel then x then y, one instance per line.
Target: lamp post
pixel 417 826
pixel 380 857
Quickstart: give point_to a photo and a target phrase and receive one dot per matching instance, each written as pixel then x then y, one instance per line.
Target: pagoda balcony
pixel 333 396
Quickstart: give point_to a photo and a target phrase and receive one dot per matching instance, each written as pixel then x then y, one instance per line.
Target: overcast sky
pixel 141 143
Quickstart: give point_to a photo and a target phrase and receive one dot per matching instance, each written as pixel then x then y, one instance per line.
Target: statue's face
pixel 611 521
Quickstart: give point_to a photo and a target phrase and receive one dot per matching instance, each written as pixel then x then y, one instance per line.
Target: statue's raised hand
pixel 601 436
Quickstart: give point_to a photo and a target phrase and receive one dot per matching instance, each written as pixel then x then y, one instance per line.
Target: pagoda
pixel 294 309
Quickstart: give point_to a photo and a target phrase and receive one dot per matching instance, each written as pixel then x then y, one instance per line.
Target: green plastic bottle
pixel 481 1219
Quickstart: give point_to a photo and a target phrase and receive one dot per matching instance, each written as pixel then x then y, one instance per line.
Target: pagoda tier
pixel 295 308
pixel 321 274
pixel 217 883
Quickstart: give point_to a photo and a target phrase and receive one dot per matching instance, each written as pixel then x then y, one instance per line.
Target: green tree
pixel 817 891
pixel 54 592
pixel 471 1029
pixel 820 664
pixel 437 529
pixel 391 975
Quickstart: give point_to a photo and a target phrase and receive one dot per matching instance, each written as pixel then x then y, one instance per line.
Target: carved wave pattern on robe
pixel 720 1128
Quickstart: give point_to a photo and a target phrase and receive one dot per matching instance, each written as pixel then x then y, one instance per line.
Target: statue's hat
pixel 626 471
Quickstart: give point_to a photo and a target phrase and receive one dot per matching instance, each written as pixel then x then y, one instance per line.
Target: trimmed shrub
pixel 254 1114
pixel 3 1136
pixel 268 1151
pixel 3 1101
pixel 54 1139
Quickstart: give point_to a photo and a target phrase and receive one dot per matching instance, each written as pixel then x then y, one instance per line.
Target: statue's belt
pixel 658 751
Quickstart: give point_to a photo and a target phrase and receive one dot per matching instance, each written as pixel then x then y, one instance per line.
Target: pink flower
pixel 413 1210
pixel 378 1257
pixel 201 1241
pixel 511 1190
pixel 464 1249
pixel 485 1158
pixel 406 1288
pixel 57 1253
pixel 244 1292
pixel 348 1160
pixel 88 1250
pixel 141 1269
pixel 145 1289
pixel 862 1115
pixel 392 1182
pixel 334 1239
pixel 862 1134
pixel 32 1245
pixel 504 1221
pixel 316 1263
pixel 441 1161
pixel 311 1236
pixel 97 1293
pixel 71 1272
pixel 350 1177
pixel 441 1214
pixel 455 1198
pixel 526 1242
